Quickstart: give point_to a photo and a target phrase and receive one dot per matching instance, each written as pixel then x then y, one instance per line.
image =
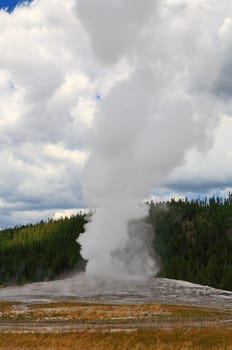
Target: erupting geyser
pixel 161 107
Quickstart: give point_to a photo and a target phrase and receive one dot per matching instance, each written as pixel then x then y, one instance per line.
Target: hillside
pixel 192 241
pixel 41 252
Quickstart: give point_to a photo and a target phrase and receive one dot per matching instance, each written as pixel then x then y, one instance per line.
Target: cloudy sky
pixel 51 85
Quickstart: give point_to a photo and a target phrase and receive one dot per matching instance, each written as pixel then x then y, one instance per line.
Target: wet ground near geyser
pixel 157 290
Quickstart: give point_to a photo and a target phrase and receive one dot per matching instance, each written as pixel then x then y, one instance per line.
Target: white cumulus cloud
pixel 62 65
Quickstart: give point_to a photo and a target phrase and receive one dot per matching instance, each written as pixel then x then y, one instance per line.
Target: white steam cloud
pixel 168 102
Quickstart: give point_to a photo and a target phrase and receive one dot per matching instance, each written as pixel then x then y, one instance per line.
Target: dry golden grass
pixel 90 312
pixel 174 339
pixel 6 308
pixel 121 327
pixel 86 312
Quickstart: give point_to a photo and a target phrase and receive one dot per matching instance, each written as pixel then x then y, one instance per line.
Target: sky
pixel 10 5
pixel 51 87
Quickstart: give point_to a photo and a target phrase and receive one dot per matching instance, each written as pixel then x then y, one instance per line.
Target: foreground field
pixel 69 324
pixel 174 339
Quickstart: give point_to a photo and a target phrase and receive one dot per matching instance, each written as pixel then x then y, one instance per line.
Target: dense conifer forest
pixel 192 241
pixel 41 252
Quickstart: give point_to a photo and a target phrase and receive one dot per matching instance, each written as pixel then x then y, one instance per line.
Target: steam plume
pixel 147 121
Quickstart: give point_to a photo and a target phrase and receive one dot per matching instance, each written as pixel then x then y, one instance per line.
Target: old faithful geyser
pixel 161 107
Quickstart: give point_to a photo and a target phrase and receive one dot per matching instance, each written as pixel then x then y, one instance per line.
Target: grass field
pixel 73 325
pixel 176 339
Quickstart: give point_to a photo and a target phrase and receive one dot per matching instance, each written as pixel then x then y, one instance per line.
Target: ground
pixel 156 314
pixel 69 324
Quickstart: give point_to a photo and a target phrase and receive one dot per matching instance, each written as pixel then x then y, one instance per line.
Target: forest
pixel 192 242
pixel 41 252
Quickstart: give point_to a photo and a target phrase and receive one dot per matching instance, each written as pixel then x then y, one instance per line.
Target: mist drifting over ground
pixel 166 101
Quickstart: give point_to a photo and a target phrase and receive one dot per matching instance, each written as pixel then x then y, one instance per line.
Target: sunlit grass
pixel 91 312
pixel 113 326
pixel 6 307
pixel 174 339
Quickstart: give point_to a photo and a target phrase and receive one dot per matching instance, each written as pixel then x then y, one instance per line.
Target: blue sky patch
pixel 10 5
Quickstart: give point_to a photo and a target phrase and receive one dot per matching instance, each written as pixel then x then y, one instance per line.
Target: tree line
pixel 41 252
pixel 192 241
